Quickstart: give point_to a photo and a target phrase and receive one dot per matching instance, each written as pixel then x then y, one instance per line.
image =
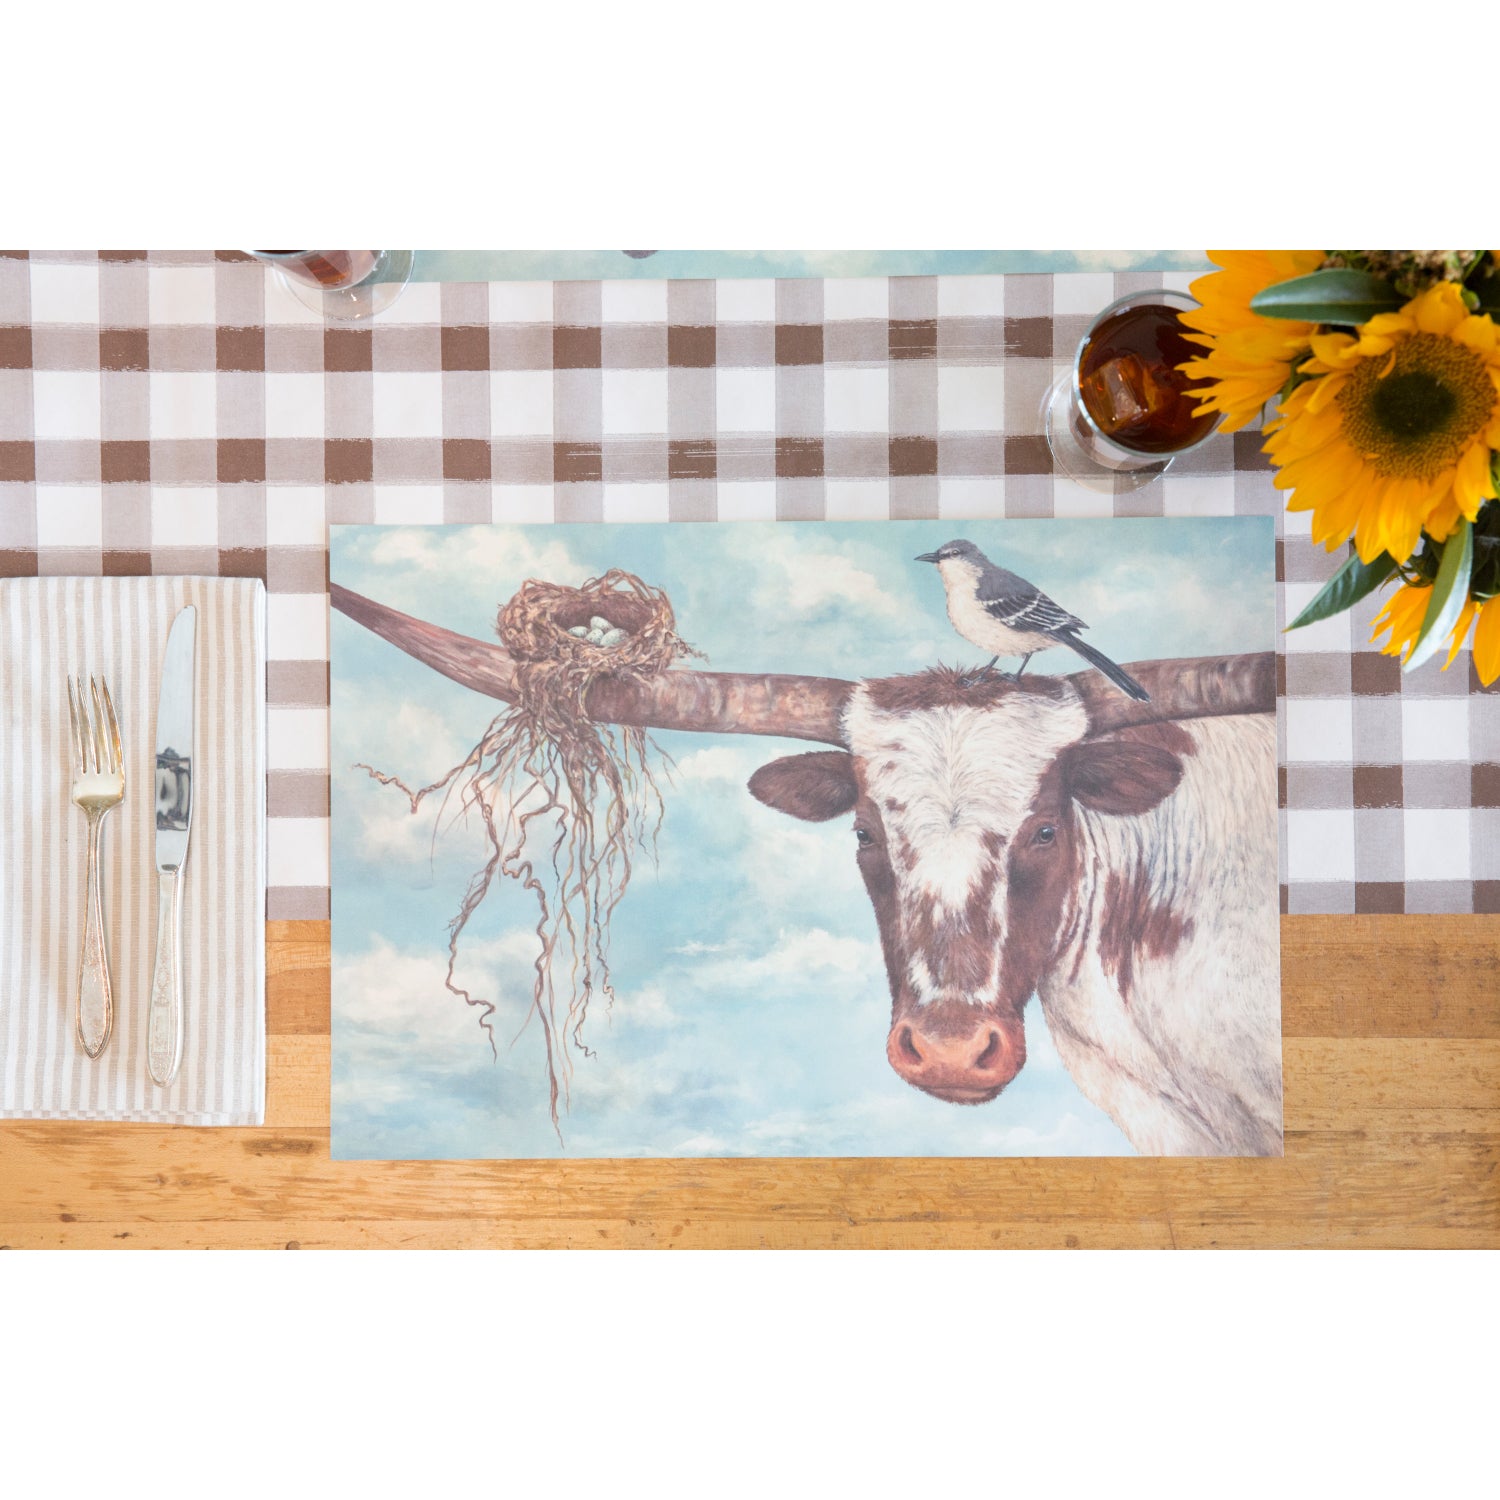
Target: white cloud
pixel 788 863
pixel 377 820
pixel 390 835
pixel 617 1096
pixel 392 992
pixel 704 1145
pixel 454 576
pixel 417 741
pixel 496 558
pixel 800 577
pixel 815 951
pixel 435 840
pixel 847 965
pixel 405 1043
pixel 771 866
pixel 647 1006
pixel 808 585
pixel 718 763
pixel 415 738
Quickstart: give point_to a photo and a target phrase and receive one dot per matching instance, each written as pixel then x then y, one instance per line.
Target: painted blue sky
pixel 751 1003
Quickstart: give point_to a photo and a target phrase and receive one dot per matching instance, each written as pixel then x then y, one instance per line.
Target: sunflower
pixel 1395 436
pixel 1249 357
pixel 1405 610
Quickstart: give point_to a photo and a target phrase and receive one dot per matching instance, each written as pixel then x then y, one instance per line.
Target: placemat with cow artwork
pixel 896 838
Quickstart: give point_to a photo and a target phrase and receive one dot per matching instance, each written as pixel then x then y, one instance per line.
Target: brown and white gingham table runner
pixel 179 413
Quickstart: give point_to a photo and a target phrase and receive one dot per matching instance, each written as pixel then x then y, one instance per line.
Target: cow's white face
pixel 952 786
pixel 964 802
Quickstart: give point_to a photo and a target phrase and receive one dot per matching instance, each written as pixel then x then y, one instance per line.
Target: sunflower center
pixel 1413 413
pixel 1409 406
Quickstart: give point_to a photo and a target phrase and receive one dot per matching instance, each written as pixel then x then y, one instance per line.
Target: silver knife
pixel 174 813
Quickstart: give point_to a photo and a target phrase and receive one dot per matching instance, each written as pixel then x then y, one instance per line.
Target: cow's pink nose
pixel 969 1066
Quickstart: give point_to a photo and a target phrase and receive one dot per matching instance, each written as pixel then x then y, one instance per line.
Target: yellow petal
pixel 1479 333
pixel 1322 393
pixel 1471 480
pixel 1343 512
pixel 1388 526
pixel 1442 520
pixel 1402 616
pixel 1332 351
pixel 1321 426
pixel 1440 309
pixel 1382 622
pixel 1487 643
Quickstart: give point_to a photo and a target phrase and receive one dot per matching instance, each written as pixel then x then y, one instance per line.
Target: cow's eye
pixel 863 837
pixel 1045 834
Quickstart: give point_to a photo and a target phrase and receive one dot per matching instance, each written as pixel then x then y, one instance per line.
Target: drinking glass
pixel 349 285
pixel 1123 412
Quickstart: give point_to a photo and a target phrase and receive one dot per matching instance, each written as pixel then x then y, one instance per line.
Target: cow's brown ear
pixel 813 787
pixel 1120 777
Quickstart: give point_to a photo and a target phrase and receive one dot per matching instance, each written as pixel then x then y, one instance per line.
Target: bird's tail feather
pixel 1121 679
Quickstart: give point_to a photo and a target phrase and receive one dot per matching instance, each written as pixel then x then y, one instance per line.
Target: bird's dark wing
pixel 1021 605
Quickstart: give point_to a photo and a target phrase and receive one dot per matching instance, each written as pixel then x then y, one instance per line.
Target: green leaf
pixel 1450 590
pixel 1347 587
pixel 1346 297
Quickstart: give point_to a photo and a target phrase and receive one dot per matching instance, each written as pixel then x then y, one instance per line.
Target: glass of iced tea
pixel 1124 411
pixel 349 285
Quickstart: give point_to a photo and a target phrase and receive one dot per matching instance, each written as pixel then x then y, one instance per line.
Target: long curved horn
pixel 1189 687
pixel 798 708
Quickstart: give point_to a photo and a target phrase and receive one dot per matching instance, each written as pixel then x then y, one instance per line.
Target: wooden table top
pixel 1392 1065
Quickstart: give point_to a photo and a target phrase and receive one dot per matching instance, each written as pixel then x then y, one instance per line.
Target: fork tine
pixel 86 724
pixel 96 725
pixel 112 726
pixel 79 764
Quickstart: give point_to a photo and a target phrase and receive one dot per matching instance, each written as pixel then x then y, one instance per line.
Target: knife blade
pixel 174 815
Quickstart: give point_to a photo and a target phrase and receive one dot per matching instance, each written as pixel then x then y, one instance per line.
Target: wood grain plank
pixel 481 1232
pixel 1390 1083
pixel 297 977
pixel 297 1081
pixel 1349 1186
pixel 1390 976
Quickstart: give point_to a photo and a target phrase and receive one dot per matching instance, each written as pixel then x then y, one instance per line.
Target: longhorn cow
pixel 1048 837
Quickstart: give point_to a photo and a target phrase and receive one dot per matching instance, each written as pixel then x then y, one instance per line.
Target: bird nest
pixel 565 802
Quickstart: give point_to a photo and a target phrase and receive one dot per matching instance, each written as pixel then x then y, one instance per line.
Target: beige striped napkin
pixel 50 627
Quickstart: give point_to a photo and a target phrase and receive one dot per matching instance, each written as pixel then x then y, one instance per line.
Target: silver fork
pixel 98 785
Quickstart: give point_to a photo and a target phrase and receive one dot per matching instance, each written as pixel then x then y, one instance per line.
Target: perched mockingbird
pixel 1002 613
